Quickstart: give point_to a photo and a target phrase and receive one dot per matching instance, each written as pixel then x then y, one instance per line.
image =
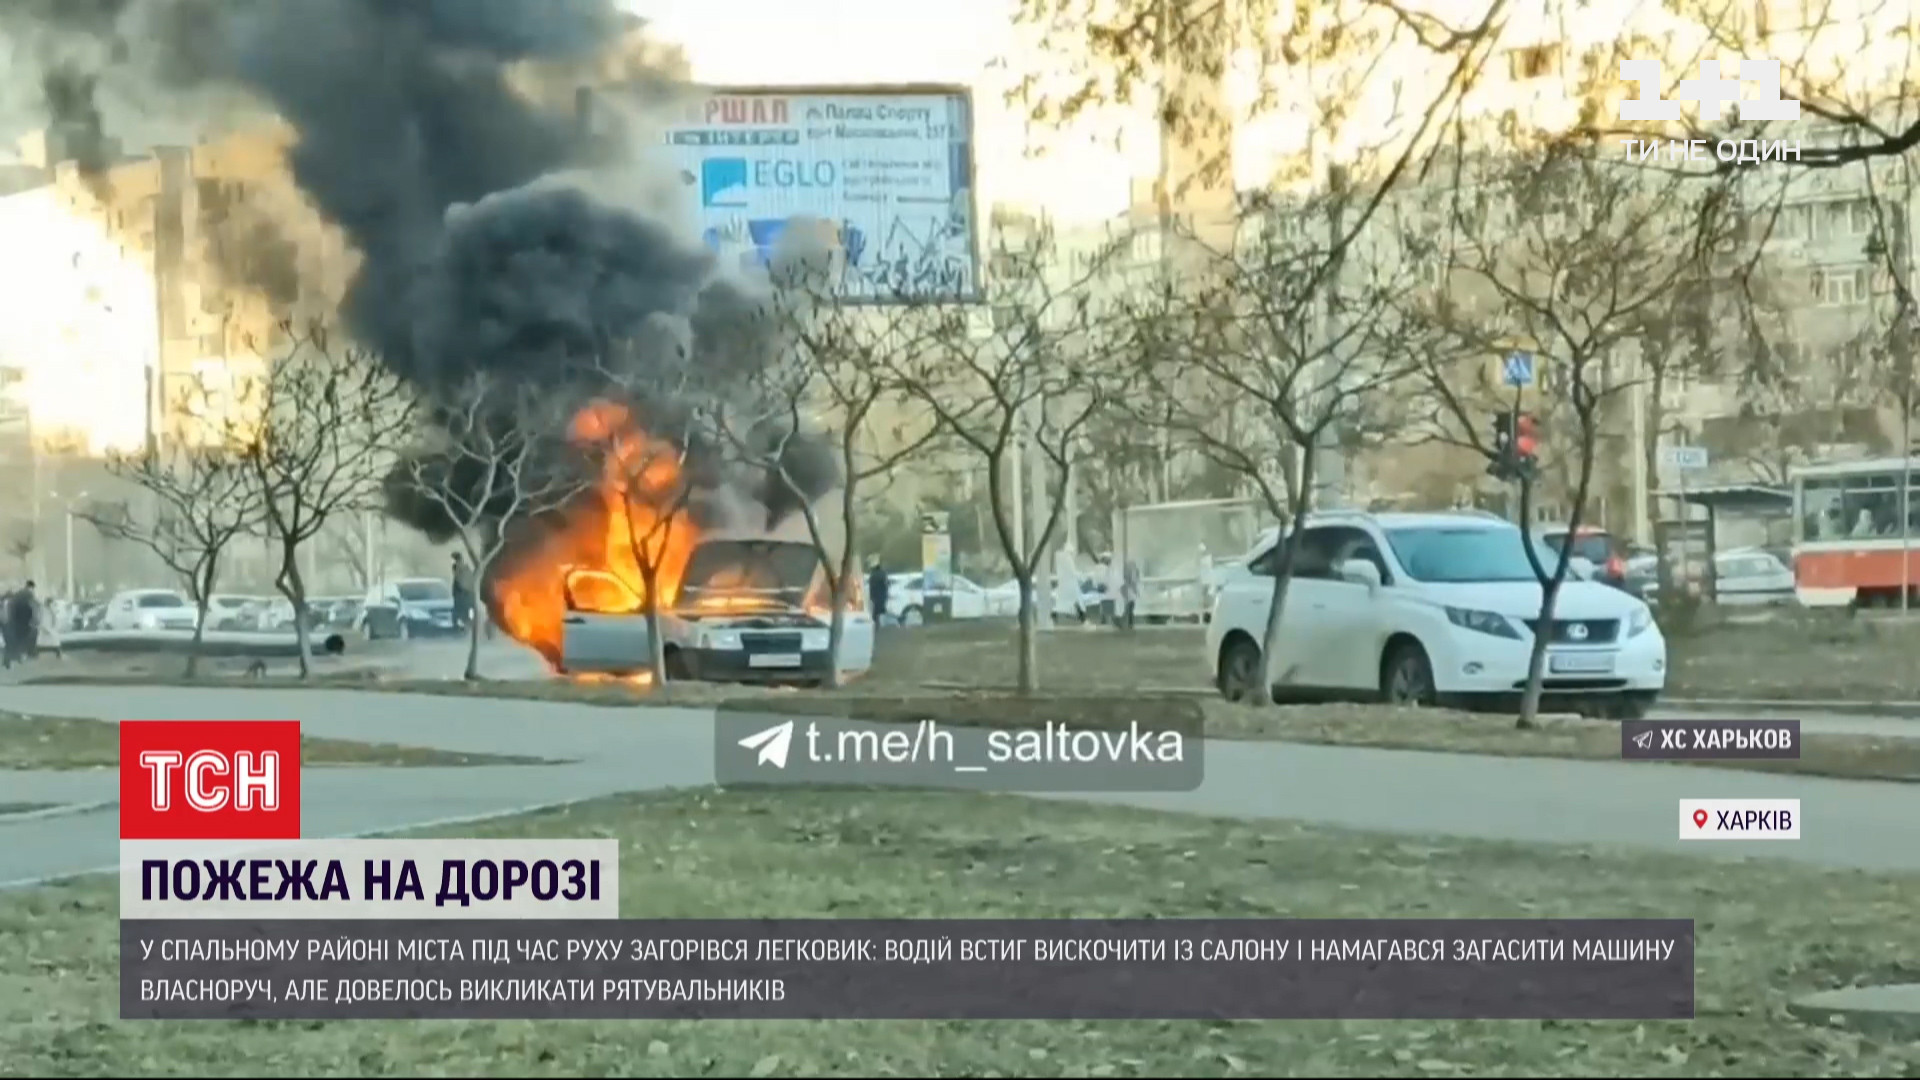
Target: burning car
pixel 744 611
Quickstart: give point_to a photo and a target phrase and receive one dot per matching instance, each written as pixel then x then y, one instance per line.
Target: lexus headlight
pixel 1641 619
pixel 1485 622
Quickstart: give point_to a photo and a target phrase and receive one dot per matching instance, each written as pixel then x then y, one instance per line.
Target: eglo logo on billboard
pixel 1711 93
pixel 724 181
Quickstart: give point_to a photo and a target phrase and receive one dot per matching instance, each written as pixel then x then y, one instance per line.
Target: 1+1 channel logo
pixel 1712 94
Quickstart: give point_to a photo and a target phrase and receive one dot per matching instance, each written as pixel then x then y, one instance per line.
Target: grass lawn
pixel 1821 656
pixel 58 742
pixel 1768 932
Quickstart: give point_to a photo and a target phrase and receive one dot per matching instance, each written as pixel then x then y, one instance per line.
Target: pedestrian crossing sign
pixel 1517 369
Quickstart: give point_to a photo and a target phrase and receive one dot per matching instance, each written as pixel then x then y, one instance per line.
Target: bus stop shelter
pixel 1759 500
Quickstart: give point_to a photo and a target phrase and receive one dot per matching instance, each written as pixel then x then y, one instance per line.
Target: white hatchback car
pixel 1430 608
pixel 151 609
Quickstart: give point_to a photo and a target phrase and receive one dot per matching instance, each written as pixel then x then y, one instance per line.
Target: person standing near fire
pixel 877 590
pixel 462 591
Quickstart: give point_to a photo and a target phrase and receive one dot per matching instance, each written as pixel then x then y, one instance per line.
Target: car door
pixel 597 642
pixel 1300 662
pixel 1348 626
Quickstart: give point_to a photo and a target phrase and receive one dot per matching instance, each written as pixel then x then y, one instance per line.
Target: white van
pixel 747 611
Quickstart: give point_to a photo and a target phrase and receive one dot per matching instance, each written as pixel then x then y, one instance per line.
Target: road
pixel 1847 823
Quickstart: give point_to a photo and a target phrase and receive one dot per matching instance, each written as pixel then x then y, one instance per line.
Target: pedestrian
pixel 52 614
pixel 877 585
pixel 23 624
pixel 1130 590
pixel 462 591
pixel 1110 609
pixel 7 641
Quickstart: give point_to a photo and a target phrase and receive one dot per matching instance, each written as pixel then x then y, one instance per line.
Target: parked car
pixel 907 598
pixel 746 612
pixel 1748 577
pixel 226 611
pixel 150 609
pixel 1430 608
pixel 408 608
pixel 337 612
pixel 1003 600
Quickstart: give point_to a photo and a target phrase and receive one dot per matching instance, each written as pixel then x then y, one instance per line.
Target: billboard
pixel 885 176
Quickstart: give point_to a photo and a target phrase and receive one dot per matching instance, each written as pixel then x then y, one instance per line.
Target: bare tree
pixel 202 499
pixel 316 432
pixel 1395 65
pixel 494 454
pixel 835 373
pixel 645 481
pixel 1036 371
pixel 1262 353
pixel 1567 254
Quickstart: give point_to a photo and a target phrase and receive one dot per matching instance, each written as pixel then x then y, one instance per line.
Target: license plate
pixel 1586 664
pixel 785 659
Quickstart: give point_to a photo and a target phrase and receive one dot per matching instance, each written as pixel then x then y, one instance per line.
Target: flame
pixel 593 547
pixel 638 678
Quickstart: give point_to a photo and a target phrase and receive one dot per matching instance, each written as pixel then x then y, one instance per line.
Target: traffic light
pixel 1501 451
pixel 1526 445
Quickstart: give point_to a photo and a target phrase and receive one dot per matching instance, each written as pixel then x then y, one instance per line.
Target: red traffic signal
pixel 1526 439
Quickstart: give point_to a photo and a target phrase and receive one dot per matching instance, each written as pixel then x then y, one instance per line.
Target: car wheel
pixel 1406 676
pixel 912 616
pixel 1240 671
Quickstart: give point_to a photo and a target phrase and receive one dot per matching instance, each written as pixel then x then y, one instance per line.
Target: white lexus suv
pixel 1429 609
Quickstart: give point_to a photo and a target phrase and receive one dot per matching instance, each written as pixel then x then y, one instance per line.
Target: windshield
pixel 1444 554
pixel 161 599
pixel 752 565
pixel 418 591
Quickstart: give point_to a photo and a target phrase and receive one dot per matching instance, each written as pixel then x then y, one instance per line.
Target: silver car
pixel 1748 577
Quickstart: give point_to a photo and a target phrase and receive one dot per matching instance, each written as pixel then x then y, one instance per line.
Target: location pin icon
pixel 1699 819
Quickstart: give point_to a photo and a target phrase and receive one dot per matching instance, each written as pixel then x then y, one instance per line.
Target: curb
pixel 1901 709
pixel 59 811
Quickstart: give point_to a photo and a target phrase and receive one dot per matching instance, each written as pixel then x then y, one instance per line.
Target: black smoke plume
pixel 412 139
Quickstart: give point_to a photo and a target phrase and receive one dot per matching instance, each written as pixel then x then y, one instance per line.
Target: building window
pixel 1842 286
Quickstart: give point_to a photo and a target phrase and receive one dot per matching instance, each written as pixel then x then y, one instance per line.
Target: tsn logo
pixel 210 780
